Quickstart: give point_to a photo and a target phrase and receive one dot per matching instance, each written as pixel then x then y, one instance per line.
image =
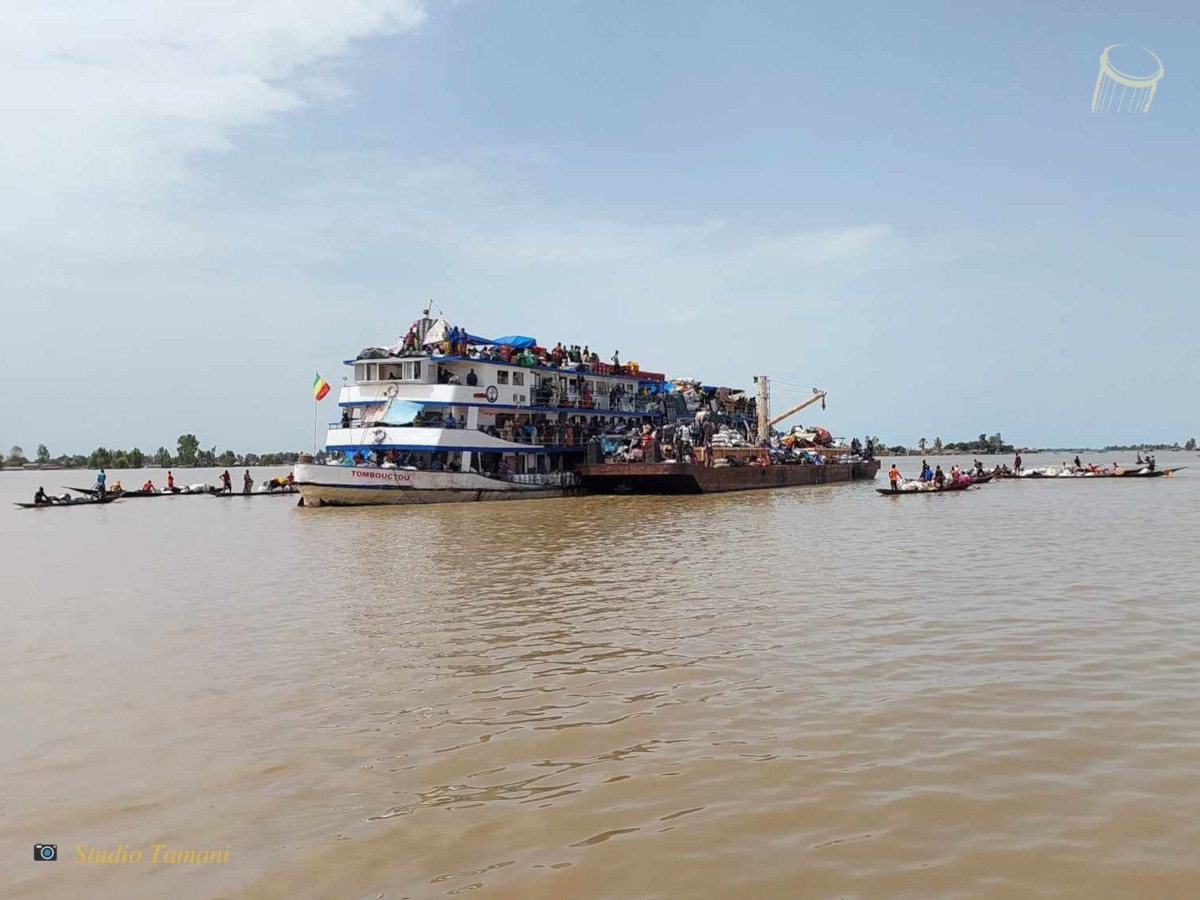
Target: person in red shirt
pixel 894 476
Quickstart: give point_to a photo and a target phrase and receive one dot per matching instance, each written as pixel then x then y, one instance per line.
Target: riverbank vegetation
pixel 188 454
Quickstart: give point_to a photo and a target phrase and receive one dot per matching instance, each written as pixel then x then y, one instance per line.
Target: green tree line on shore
pixel 995 445
pixel 188 454
pixel 984 445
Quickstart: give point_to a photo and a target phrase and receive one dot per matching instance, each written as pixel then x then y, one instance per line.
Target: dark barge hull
pixel 681 478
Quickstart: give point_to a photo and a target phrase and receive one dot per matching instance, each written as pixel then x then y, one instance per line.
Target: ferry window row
pixel 405 371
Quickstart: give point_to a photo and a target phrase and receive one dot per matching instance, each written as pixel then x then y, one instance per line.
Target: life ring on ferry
pixel 378 436
pixel 391 390
pixel 491 394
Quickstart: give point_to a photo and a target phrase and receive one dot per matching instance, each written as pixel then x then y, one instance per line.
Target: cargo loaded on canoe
pixel 68 502
pixel 926 488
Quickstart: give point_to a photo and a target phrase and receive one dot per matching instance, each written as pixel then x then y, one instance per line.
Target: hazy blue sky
pixel 908 204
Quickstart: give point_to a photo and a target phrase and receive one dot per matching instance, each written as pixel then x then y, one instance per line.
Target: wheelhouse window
pixel 518 379
pixel 502 377
pixel 415 371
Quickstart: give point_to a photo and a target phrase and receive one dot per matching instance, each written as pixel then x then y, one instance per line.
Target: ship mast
pixel 764 406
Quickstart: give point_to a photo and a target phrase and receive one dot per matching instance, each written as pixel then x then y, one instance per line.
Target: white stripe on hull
pixel 371 486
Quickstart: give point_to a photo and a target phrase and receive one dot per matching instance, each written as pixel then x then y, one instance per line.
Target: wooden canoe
pixel 56 504
pixel 888 492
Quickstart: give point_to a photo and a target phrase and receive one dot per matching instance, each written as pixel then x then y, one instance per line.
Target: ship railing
pixel 545 439
pixel 626 404
pixel 547 479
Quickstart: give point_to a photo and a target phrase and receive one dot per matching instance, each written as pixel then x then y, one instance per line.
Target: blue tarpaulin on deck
pixel 476 339
pixel 516 340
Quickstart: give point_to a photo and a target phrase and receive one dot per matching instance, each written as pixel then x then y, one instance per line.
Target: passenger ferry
pixel 445 416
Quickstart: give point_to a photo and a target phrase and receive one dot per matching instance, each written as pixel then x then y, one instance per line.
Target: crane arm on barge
pixel 817 395
pixel 765 421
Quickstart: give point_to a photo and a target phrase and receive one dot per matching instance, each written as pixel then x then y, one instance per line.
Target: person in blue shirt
pixel 101 482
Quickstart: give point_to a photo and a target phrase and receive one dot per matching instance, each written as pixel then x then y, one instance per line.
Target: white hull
pixel 371 486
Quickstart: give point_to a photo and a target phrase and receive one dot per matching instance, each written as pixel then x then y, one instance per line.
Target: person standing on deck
pixel 1017 464
pixel 101 483
pixel 247 482
pixel 1078 464
pixel 939 477
pixel 170 481
pixel 894 477
pixel 226 483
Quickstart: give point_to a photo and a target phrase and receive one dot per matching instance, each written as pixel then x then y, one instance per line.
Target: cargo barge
pixel 685 478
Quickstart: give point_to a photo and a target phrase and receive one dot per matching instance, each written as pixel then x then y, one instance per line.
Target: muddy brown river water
pixel 818 692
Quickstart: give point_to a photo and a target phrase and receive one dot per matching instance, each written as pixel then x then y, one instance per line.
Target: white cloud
pixel 106 103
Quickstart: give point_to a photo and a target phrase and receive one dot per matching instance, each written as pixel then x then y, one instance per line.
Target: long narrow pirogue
pixel 71 503
pixel 177 492
pixel 277 493
pixel 949 486
pixel 1059 474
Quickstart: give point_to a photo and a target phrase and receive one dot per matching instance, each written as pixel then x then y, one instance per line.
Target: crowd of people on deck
pixel 459 343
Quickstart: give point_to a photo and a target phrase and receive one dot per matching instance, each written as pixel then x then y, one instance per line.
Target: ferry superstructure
pixel 447 417
pixel 438 421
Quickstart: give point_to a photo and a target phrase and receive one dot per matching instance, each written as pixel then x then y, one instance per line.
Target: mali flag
pixel 320 387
